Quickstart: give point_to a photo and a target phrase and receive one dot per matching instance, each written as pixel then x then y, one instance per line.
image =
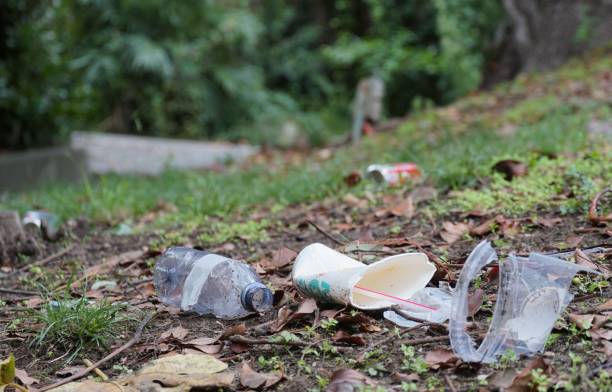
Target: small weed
pixel 409 386
pixel 411 361
pixel 508 359
pixel 76 325
pixel 284 337
pixel 322 382
pixel 552 339
pixel 272 363
pixel 329 324
pixel 250 231
pixel 434 384
pixel 303 366
pixel 539 381
pixel 373 362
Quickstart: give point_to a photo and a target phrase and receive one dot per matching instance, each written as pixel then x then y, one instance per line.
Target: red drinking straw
pixel 396 298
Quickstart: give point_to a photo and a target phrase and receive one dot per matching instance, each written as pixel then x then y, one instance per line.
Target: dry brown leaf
pixel 252 379
pixel 283 257
pixel 573 241
pixel 91 386
pixel 186 364
pixel 26 380
pixel 607 348
pixel 172 382
pixel 522 382
pixel 511 168
pixel 178 333
pixel 548 222
pixel 452 232
pixel 582 321
pixel 484 228
pixel 344 337
pixel 352 179
pixel 475 300
pixel 423 193
pixel 437 358
pixel 345 380
pixel 603 334
pixel 606 305
pixel 405 208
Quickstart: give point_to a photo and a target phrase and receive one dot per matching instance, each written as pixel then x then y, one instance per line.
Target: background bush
pixel 231 69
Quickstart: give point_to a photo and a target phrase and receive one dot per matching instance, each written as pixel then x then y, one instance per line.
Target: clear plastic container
pixel 207 283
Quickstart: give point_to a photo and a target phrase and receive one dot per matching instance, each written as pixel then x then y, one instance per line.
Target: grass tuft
pixel 75 325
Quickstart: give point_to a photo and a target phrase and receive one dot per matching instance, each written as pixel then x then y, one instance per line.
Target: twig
pixel 99 372
pixel 298 343
pixel 450 384
pixel 405 315
pixel 402 333
pixel 107 358
pixel 594 217
pixel 43 261
pixel 326 234
pixel 434 339
pixel 19 292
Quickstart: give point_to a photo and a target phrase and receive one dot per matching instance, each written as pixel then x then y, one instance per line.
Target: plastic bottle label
pixel 196 279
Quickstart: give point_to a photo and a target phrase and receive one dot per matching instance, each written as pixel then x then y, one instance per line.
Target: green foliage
pixel 242 69
pixel 412 362
pixel 249 231
pixel 73 325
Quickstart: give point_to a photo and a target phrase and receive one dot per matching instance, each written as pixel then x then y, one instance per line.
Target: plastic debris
pixel 393 174
pixel 533 291
pixel 208 283
pixel 47 222
pixel 328 276
pixel 437 300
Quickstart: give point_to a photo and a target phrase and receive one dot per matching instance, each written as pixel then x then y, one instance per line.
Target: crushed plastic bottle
pixel 207 283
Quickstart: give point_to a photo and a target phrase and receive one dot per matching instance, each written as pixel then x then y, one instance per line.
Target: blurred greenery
pixel 232 69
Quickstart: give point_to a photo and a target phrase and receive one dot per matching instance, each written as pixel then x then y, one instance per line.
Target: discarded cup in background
pixel 393 174
pixel 208 283
pixel 47 222
pixel 322 273
pixel 532 293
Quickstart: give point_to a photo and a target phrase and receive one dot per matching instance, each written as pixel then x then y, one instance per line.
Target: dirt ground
pixel 364 342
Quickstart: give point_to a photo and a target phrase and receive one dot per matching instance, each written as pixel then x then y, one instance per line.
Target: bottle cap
pixel 256 297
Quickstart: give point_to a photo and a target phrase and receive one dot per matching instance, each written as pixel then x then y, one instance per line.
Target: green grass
pixel 73 325
pixel 454 153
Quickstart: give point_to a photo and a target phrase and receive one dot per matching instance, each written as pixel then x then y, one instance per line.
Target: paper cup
pixel 322 273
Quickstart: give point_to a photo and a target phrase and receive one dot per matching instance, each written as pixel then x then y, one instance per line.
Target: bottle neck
pixel 256 297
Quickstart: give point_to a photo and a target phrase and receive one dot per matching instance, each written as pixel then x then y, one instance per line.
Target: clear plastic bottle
pixel 207 283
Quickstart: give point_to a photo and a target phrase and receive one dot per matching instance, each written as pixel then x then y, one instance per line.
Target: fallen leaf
pixel 573 241
pixel 522 382
pixel 238 348
pixel 285 315
pixel 26 380
pixel 436 358
pixel 423 193
pixel 251 379
pixel 344 337
pixel 283 257
pixel 399 377
pixel 603 334
pixel 185 364
pixel 582 321
pixel 584 260
pixel 352 179
pixel 69 371
pixel 606 305
pixel 405 208
pixel 347 380
pixel 502 379
pixel 365 322
pixel 178 333
pixel 236 329
pixel 452 232
pixel 607 349
pixel 475 301
pixel 548 222
pixel 594 216
pixel 511 168
pixel 91 386
pixel 509 228
pixel 174 382
pixel 484 228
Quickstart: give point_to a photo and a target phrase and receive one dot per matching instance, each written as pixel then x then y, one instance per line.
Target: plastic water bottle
pixel 207 283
